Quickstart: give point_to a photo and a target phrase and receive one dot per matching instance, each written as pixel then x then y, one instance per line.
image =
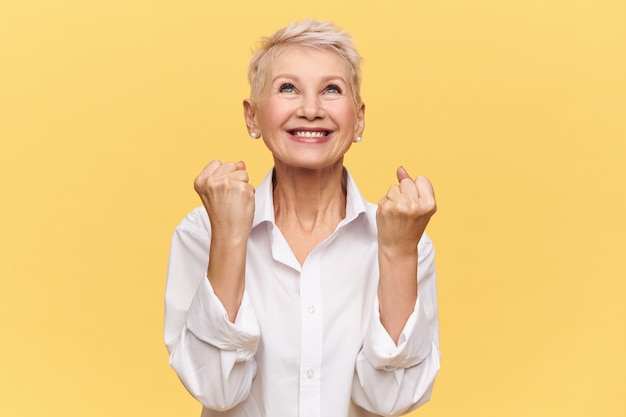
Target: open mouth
pixel 309 134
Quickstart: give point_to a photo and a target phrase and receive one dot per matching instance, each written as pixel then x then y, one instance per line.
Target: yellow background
pixel 515 110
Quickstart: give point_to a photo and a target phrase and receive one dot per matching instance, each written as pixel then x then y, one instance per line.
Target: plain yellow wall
pixel 516 110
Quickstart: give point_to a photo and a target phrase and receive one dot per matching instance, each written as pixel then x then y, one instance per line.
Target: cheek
pixel 265 114
pixel 272 112
pixel 347 115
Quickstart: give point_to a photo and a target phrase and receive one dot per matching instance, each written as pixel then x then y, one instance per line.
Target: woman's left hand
pixel 403 214
pixel 402 217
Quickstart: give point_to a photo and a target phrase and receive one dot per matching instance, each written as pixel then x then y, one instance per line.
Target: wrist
pixel 231 240
pixel 398 250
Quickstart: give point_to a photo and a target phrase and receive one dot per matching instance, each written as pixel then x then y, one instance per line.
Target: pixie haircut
pixel 306 34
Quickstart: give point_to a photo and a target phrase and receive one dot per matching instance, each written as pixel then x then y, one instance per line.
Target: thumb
pixel 402 174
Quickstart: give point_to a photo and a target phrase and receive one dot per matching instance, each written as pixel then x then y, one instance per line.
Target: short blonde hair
pixel 307 34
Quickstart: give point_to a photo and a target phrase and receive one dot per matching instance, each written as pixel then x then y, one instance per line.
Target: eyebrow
pixel 323 80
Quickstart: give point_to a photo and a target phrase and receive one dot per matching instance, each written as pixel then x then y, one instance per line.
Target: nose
pixel 311 107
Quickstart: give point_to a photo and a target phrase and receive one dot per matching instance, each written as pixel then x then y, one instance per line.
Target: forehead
pixel 303 62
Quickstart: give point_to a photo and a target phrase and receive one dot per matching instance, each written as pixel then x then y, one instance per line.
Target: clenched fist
pixel 228 199
pixel 402 217
pixel 404 212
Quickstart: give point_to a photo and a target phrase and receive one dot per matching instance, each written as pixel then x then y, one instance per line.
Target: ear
pixel 360 122
pixel 249 114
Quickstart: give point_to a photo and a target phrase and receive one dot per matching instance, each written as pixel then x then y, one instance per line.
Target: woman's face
pixel 306 113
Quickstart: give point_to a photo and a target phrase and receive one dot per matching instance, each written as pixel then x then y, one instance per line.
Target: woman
pixel 300 298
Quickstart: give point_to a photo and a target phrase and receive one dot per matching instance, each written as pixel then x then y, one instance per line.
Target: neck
pixel 308 198
pixel 308 205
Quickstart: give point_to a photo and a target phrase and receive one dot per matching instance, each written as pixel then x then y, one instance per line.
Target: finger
pixel 211 167
pixel 427 194
pixel 424 187
pixel 402 174
pixel 407 186
pixel 393 193
pixel 240 175
pixel 409 189
pixel 216 169
pixel 226 168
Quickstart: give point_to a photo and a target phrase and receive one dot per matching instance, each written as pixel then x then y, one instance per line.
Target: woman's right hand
pixel 228 199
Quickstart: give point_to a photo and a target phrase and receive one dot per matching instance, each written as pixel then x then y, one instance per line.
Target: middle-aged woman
pixel 300 298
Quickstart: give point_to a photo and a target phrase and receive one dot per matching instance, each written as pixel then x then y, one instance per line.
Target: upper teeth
pixel 307 134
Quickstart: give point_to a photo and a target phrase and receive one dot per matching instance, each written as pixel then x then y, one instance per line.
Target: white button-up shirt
pixel 307 340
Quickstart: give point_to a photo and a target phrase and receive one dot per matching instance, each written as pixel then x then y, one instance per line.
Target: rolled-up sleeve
pixel 208 321
pixel 393 379
pixel 213 357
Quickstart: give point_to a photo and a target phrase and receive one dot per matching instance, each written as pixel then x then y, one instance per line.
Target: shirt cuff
pixel 414 343
pixel 208 320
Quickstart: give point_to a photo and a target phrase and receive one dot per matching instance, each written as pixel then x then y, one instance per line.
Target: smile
pixel 309 134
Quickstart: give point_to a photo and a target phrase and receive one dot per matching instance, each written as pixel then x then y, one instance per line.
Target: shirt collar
pixel 264 203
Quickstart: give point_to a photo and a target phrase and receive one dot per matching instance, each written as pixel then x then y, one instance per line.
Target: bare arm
pixel 213 357
pixel 402 217
pixel 229 201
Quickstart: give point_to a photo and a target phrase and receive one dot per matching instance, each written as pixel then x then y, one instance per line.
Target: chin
pixel 314 165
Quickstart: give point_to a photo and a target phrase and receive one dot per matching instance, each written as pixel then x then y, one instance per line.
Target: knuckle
pixel 198 183
pixel 431 204
pixel 230 165
pixel 211 182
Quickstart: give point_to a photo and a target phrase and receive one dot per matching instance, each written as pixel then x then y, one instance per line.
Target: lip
pixel 313 139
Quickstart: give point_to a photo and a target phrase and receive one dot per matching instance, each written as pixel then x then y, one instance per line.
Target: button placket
pixel 311 337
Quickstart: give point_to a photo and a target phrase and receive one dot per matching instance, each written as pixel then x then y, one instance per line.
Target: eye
pixel 334 89
pixel 286 88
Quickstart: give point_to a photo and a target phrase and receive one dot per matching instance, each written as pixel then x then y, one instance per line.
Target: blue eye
pixel 287 88
pixel 332 88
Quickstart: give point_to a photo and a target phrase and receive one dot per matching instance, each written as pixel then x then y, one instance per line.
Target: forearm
pixel 213 356
pixel 401 217
pixel 393 378
pixel 226 272
pixel 229 202
pixel 397 287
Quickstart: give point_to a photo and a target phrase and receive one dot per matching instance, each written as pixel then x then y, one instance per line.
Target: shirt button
pixel 310 373
pixel 311 309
